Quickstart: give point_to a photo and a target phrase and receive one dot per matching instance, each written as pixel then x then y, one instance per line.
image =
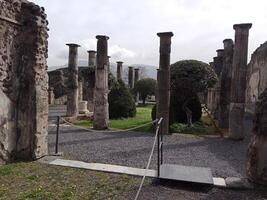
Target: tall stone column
pixel 119 70
pixel 218 65
pixel 109 63
pixel 131 77
pixel 136 78
pixel 226 76
pixel 163 101
pixel 80 85
pixel 101 113
pixel 72 97
pixel 90 88
pixel 257 159
pixel 238 82
pixel 91 58
pixel 51 96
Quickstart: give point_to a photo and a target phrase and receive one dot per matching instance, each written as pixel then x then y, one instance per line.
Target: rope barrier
pixel 149 161
pixel 108 131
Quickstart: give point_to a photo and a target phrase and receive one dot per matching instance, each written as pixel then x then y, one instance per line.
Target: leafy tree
pixel 145 87
pixel 189 77
pixel 121 101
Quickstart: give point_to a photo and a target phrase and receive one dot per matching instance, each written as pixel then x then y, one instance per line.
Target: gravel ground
pixel 225 158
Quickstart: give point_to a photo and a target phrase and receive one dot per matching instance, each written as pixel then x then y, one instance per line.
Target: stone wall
pixel 257 76
pixel 58 80
pixel 23 81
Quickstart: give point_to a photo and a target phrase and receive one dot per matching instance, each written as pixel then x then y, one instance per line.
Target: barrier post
pixel 57 133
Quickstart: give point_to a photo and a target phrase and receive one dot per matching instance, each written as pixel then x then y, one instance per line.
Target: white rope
pixel 115 131
pixel 149 161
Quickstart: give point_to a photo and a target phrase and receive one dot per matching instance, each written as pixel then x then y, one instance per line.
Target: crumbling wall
pixel 23 81
pixel 257 76
pixel 257 159
pixel 58 81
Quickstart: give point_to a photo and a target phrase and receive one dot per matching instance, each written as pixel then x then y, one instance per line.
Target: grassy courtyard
pixel 143 116
pixel 36 181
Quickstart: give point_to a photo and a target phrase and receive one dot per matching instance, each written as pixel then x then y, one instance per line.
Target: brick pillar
pixel 163 101
pixel 101 114
pixel 119 70
pixel 238 82
pixel 91 58
pixel 226 76
pixel 131 77
pixel 72 102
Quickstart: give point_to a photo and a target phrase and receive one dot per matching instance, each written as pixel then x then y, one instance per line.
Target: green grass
pixel 36 181
pixel 143 116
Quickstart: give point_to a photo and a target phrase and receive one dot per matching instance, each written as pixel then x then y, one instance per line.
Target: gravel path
pixel 224 157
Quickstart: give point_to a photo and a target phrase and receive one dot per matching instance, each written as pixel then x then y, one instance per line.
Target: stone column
pixel 72 102
pixel 109 63
pixel 101 114
pixel 218 65
pixel 51 96
pixel 163 103
pixel 226 76
pixel 131 77
pixel 119 70
pixel 238 82
pixel 90 88
pixel 92 58
pixel 80 85
pixel 257 159
pixel 136 78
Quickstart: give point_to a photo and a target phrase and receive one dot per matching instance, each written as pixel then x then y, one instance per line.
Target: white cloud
pixel 199 26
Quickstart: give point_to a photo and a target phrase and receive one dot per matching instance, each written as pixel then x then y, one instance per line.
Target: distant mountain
pixel 146 71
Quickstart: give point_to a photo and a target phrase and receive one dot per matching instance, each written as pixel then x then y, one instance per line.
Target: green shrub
pixel 197 128
pixel 177 114
pixel 121 102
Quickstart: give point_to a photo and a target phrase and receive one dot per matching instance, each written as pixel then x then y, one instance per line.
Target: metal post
pixel 57 133
pixel 161 143
pixel 158 136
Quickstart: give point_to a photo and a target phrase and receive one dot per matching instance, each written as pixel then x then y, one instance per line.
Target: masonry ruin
pixel 23 81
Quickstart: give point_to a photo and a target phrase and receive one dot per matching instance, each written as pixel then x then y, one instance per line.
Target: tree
pixel 189 77
pixel 121 101
pixel 145 87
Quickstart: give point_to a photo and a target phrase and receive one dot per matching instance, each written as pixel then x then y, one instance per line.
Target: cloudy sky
pixel 199 27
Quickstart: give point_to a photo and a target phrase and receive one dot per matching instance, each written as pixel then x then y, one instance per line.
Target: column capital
pixel 73 45
pixel 136 69
pixel 165 34
pixel 242 26
pixel 91 51
pixel 220 52
pixel 119 62
pixel 228 40
pixel 102 37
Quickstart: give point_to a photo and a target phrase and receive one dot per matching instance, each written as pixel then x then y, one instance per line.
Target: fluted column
pixel 226 76
pixel 238 82
pixel 101 114
pixel 72 97
pixel 163 101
